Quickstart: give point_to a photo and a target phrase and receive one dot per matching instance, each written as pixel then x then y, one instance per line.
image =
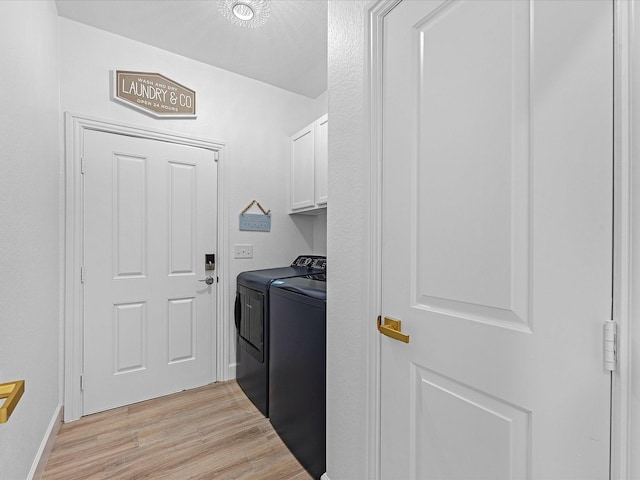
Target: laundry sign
pixel 154 94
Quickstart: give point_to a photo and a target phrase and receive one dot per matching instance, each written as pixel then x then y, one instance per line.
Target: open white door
pixel 149 220
pixel 496 239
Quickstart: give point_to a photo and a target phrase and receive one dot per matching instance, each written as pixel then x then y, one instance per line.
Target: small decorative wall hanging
pixel 255 222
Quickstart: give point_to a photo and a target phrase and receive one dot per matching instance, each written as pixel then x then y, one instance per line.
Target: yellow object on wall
pixel 12 391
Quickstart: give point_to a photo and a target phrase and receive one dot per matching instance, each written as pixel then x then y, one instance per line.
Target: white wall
pixel 254 119
pixel 320 235
pixel 29 228
pixel 320 104
pixel 632 344
pixel 348 245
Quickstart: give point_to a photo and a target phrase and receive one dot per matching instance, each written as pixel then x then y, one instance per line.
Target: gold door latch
pixel 12 391
pixel 392 328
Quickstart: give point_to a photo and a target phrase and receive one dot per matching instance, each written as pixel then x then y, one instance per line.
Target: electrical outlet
pixel 243 251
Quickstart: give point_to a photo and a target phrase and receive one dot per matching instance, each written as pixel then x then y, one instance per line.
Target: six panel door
pixel 149 219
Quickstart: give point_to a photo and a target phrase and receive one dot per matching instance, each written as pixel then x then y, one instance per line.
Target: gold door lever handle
pixel 12 391
pixel 392 328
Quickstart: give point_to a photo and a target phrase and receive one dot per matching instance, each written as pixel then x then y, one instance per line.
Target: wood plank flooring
pixel 212 432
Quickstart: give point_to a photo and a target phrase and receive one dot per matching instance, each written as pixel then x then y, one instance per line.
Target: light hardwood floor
pixel 212 433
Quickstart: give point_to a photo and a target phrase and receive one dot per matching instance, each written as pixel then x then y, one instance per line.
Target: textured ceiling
pixel 288 51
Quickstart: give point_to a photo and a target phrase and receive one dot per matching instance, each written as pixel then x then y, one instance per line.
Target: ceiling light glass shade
pixel 246 13
pixel 243 12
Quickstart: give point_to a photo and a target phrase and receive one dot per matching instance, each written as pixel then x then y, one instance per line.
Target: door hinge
pixel 82 165
pixel 610 346
pixel 82 383
pixel 216 155
pixel 82 274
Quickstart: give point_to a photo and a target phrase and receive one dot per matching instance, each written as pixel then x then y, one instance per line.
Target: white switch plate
pixel 243 251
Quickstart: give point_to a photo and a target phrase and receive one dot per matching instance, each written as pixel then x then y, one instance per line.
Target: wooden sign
pixel 154 94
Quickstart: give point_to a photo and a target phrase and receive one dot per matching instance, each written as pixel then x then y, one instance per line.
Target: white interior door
pixel 149 219
pixel 496 243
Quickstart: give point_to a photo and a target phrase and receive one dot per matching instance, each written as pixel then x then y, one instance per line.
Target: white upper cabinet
pixel 309 168
pixel 321 127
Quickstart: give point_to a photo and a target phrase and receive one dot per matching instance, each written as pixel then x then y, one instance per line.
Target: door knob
pixel 392 328
pixel 209 280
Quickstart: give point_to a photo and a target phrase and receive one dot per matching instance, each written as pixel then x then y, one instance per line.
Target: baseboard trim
pixel 40 462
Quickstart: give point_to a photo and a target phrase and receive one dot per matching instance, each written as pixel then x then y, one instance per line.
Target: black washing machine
pixel 297 368
pixel 252 324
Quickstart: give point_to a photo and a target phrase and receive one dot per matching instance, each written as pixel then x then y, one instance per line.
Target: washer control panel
pixel 310 261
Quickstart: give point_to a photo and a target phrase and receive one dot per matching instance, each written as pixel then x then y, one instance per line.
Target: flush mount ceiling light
pixel 246 13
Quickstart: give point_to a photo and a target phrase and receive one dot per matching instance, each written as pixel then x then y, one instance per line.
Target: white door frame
pixel 377 10
pixel 75 126
pixel 626 229
pixel 626 149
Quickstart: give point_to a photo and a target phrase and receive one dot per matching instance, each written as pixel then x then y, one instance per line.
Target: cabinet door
pixel 302 169
pixel 321 142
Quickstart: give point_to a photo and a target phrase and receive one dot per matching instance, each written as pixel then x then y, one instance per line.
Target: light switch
pixel 243 251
